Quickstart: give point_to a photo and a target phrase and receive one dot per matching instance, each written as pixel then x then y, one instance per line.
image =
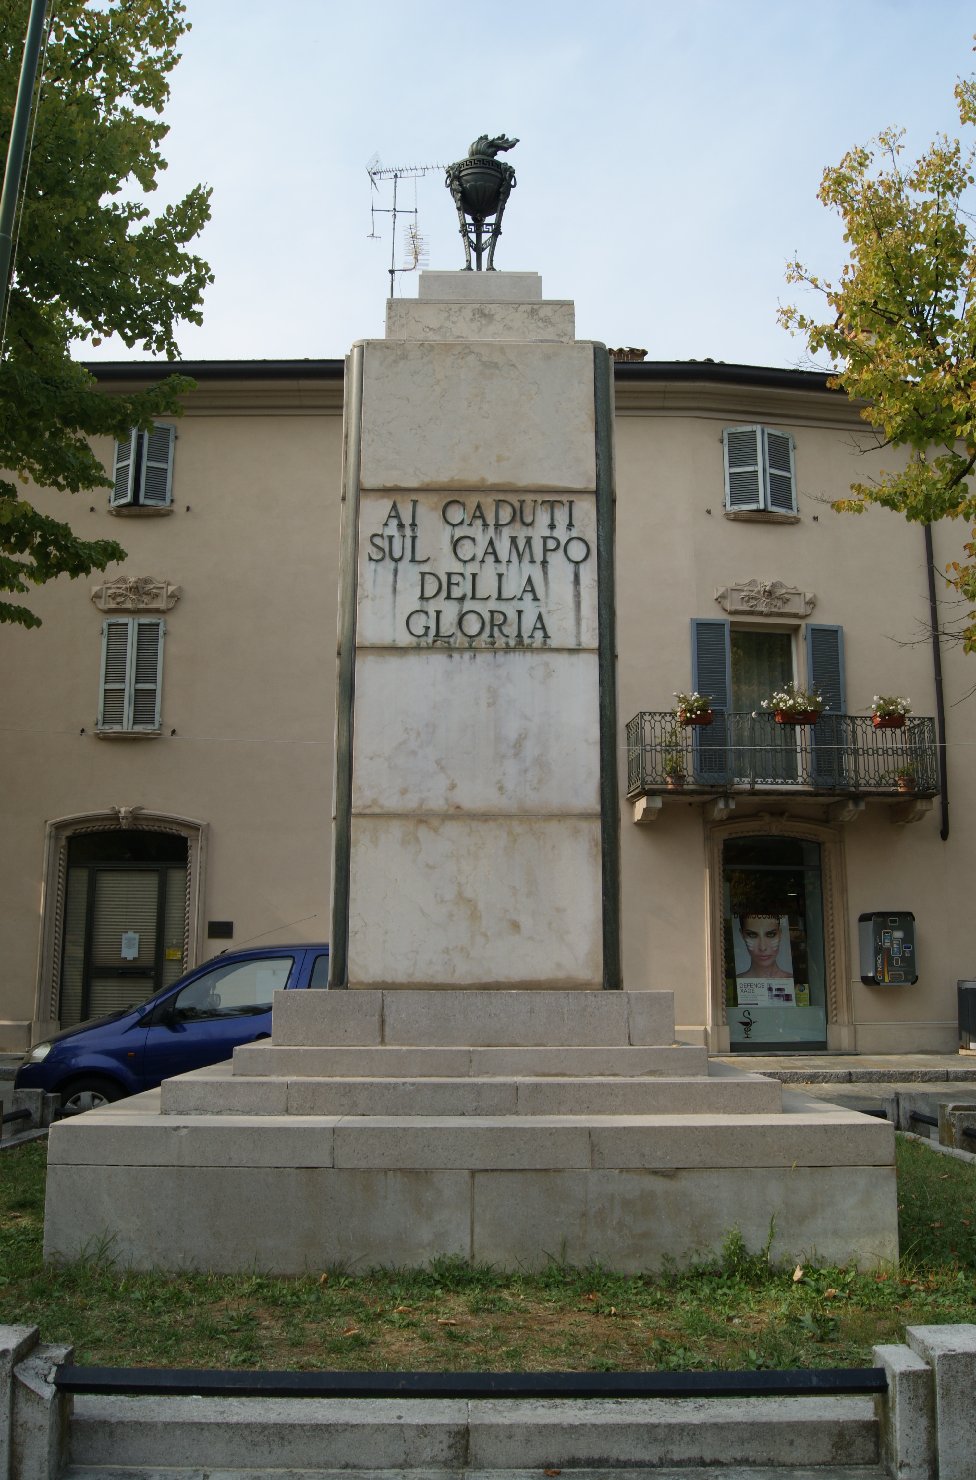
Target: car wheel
pixel 88 1094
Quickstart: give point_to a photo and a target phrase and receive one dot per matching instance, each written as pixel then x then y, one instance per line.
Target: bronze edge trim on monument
pixel 346 678
pixel 606 609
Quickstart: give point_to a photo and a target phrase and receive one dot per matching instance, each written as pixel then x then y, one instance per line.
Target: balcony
pixel 841 757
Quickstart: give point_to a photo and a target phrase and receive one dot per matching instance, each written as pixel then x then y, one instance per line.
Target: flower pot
pixel 675 781
pixel 796 716
pixel 703 717
pixel 888 721
pixel 905 783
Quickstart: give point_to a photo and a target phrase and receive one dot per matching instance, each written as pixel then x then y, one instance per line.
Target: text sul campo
pixel 483 547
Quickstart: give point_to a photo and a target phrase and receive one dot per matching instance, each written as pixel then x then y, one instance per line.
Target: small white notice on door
pixel 130 945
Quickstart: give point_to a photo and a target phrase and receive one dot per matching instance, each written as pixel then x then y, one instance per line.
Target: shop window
pixel 144 470
pixel 775 968
pixel 759 472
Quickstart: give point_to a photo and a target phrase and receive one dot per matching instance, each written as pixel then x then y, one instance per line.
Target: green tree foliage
pixel 92 260
pixel 902 324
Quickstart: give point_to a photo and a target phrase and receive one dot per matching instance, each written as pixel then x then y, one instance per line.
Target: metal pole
pixel 18 143
pixel 940 716
pixel 393 238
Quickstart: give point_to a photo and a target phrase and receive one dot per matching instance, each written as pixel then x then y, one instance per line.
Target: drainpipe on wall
pixel 939 693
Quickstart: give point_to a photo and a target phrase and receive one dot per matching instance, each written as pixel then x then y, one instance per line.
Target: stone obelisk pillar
pixel 476 806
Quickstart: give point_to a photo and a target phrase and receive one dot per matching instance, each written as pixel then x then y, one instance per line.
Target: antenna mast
pixel 416 250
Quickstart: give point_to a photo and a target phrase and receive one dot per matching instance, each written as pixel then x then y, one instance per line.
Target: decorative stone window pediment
pixel 757 598
pixel 136 594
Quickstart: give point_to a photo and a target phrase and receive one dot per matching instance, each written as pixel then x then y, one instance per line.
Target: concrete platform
pixel 457 1436
pixel 420 1150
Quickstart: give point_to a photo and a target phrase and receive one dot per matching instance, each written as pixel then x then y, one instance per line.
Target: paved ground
pixel 824 1068
pixel 866 1081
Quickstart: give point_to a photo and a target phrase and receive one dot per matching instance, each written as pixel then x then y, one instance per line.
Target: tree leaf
pixel 91 261
pixel 900 324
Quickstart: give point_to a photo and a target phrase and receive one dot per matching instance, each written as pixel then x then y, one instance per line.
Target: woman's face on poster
pixel 762 935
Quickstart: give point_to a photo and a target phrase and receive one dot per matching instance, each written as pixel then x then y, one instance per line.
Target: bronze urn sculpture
pixel 480 185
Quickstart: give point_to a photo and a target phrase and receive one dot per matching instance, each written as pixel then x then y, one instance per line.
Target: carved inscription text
pixel 465 571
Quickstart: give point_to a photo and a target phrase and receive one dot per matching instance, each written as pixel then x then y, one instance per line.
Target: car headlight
pixel 38 1052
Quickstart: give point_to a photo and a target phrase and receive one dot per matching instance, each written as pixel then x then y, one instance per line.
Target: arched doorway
pixel 121 913
pixel 124 935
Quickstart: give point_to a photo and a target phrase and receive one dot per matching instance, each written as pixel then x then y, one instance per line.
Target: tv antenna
pixel 415 253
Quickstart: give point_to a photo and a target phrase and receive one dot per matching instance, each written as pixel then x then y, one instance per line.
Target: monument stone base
pixel 375 1128
pixel 475 1082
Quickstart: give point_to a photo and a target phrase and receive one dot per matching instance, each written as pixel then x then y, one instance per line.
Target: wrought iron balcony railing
pixel 842 754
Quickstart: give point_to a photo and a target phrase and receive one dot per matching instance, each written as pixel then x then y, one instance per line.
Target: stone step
pixel 475 1018
pixel 337 1060
pixel 452 1435
pixel 628 1472
pixel 825 1136
pixel 206 1093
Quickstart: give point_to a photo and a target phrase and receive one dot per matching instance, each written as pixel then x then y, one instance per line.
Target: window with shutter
pixel 743 468
pixel 780 487
pixel 132 671
pixel 738 668
pixel 124 471
pixel 144 469
pixel 825 673
pixel 712 675
pixel 759 471
pixel 825 664
pixel 115 669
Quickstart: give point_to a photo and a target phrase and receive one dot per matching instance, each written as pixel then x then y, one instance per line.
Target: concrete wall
pixel 918 1426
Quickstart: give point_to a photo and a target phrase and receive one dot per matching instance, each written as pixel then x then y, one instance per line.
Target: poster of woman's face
pixel 763 958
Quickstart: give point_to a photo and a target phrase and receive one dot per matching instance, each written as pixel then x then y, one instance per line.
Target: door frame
pixel 833 878
pixel 58 832
pixel 91 893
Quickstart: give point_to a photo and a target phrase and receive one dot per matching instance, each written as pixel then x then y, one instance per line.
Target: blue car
pixel 196 1021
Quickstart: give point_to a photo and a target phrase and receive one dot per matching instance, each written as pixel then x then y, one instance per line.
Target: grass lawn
pixel 736 1313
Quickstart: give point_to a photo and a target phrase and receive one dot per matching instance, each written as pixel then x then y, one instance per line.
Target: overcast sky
pixel 668 166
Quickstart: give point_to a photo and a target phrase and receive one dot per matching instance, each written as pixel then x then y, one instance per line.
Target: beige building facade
pixel 169 732
pixel 203 817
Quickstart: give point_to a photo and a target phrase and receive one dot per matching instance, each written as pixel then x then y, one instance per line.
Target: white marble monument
pixel 473 844
pixel 479 1081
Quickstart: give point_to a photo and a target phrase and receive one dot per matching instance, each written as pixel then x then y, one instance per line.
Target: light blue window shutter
pixel 743 467
pixel 157 466
pixel 780 476
pixel 123 491
pixel 711 669
pixel 825 673
pixel 114 688
pixel 147 673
